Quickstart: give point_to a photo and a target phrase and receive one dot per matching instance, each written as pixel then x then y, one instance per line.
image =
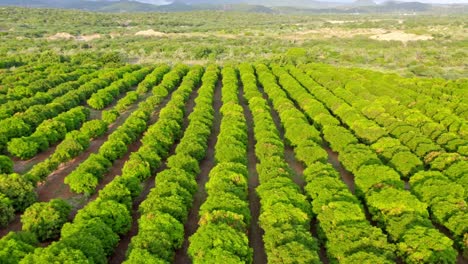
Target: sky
pixel 161 2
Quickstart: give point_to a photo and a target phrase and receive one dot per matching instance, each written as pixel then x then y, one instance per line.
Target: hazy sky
pixel 159 2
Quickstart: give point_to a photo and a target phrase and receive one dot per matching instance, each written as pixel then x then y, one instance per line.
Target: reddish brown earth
pixel 15 225
pixel 255 232
pixel 54 187
pixel 121 249
pixel 22 166
pixel 346 176
pixel 55 180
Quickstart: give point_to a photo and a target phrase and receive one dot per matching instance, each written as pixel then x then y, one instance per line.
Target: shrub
pixel 7 212
pixel 110 116
pixel 371 177
pixel 94 128
pixel 137 168
pixel 24 148
pixel 6 165
pixel 57 252
pixel 112 213
pixel 406 163
pixel 170 234
pixel 20 191
pixel 232 246
pixel 185 162
pixel 15 246
pixel 82 182
pixel 113 150
pixel 118 192
pixel 95 227
pixel 46 219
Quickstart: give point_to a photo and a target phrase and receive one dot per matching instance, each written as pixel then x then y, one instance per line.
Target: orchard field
pixel 235 163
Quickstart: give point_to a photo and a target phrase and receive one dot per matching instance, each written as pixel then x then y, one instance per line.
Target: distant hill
pixel 364 3
pixel 135 5
pixel 259 6
pixel 103 6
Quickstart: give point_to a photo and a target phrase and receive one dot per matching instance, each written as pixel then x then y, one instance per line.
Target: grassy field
pixel 383 42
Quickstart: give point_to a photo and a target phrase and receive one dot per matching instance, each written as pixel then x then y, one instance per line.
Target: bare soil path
pixel 255 232
pixel 23 166
pixel 346 176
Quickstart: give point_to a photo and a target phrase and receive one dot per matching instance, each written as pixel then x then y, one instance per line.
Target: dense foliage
pixel 225 214
pixel 165 209
pixel 46 219
pixel 318 163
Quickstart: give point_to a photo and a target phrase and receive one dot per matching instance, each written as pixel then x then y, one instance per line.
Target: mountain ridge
pixel 274 6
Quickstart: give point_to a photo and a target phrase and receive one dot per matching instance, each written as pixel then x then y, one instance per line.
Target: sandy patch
pixel 88 37
pixel 150 33
pixel 373 33
pixel 340 21
pixel 332 33
pixel 400 36
pixel 205 35
pixel 61 35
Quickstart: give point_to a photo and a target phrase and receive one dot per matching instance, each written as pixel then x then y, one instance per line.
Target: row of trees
pixel 411 162
pixel 104 97
pixel 425 113
pixel 285 213
pixel 48 133
pixel 155 77
pixel 354 241
pixel 225 214
pixel 166 208
pixel 150 81
pixel 131 97
pixel 11 107
pixel 401 214
pixel 86 177
pixel 24 124
pixel 424 136
pixel 66 74
pixel 415 137
pixel 101 222
pixel 77 141
pixel 417 93
pixel 391 150
pixel 448 97
pixel 447 201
